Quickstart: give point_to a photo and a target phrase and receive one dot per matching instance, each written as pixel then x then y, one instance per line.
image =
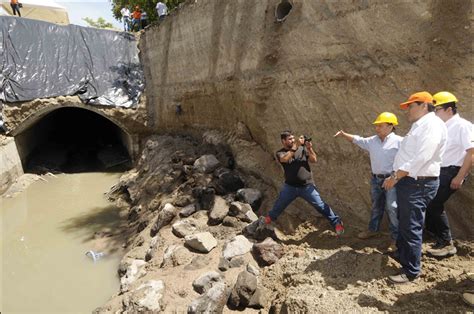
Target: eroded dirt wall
pixel 330 65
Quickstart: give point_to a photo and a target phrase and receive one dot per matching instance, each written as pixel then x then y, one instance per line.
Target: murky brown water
pixel 46 231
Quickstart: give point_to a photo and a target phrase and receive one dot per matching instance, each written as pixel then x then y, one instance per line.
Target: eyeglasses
pixel 438 108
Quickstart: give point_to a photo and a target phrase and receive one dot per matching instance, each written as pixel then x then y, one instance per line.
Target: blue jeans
pixel 383 200
pixel 126 24
pixel 309 193
pixel 413 198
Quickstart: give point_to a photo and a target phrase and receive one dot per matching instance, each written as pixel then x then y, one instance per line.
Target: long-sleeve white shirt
pixel 422 148
pixel 460 139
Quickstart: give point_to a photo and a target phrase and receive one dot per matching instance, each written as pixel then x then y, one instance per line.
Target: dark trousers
pixel 15 9
pixel 436 217
pixel 310 194
pixel 413 197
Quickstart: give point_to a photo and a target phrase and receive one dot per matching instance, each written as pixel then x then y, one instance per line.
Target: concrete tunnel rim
pixel 34 118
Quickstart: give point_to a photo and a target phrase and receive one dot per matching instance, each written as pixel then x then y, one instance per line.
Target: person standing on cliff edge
pixel 416 171
pixel 295 157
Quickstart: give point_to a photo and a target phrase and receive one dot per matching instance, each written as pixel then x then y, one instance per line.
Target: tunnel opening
pixel 73 140
pixel 282 10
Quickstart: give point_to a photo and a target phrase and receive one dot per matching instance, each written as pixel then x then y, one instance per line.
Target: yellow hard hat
pixel 442 98
pixel 386 117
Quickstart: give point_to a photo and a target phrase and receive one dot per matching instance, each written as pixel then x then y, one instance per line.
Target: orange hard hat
pixel 424 97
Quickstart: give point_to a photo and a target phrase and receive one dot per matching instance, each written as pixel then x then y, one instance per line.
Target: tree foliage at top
pixel 145 5
pixel 99 23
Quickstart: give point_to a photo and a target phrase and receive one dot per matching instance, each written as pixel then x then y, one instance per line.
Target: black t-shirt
pixel 297 170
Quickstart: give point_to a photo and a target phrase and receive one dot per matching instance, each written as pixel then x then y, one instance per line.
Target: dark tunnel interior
pixel 73 140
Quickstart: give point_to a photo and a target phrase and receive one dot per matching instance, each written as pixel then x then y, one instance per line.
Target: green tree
pixel 145 5
pixel 99 23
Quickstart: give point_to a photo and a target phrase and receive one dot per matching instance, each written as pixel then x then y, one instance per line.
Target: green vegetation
pixel 99 23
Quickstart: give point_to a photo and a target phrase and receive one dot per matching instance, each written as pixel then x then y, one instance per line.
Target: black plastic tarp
pixel 42 60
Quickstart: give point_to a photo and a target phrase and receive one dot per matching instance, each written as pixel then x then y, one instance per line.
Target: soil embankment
pixel 328 66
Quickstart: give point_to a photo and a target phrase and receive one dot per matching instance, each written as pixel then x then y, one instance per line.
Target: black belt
pixel 451 167
pixel 381 176
pixel 426 178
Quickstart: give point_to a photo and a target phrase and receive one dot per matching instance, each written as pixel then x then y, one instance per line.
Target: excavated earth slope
pixel 329 65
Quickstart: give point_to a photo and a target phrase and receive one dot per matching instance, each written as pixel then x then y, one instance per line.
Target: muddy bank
pixel 196 245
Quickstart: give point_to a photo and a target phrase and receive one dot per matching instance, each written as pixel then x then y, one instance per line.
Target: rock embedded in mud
pixel 203 242
pixel 206 164
pixel 267 252
pixel 219 211
pixel 243 290
pixel 237 246
pixel 213 301
pixel 224 264
pixel 184 227
pixel 233 222
pixel 176 255
pixel 166 215
pixel 204 282
pixel 197 262
pixel 250 196
pixel 183 200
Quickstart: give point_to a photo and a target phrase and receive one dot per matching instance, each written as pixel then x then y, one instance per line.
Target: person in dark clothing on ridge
pixel 295 157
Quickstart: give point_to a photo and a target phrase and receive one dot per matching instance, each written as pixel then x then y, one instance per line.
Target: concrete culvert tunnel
pixel 282 10
pixel 73 140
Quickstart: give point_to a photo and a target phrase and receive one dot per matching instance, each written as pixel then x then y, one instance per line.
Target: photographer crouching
pixel 295 157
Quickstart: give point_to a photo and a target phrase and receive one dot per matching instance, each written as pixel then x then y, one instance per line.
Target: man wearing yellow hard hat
pixel 455 165
pixel 382 148
pixel 416 171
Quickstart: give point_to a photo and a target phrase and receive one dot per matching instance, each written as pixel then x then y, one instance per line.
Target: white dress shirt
pixel 161 8
pixel 381 153
pixel 460 139
pixel 422 148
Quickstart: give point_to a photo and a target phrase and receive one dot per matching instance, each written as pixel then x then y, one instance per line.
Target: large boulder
pixel 243 290
pixel 213 301
pixel 237 246
pixel 166 215
pixel 203 242
pixel 250 196
pixel 268 252
pixel 219 211
pixel 206 164
pixel 152 248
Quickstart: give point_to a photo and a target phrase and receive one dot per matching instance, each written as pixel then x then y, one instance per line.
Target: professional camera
pixel 307 138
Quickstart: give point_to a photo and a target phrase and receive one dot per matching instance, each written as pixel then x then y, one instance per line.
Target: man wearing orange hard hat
pixel 382 149
pixel 416 171
pixel 455 165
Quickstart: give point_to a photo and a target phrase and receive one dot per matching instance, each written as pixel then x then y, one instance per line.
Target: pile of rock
pixel 198 207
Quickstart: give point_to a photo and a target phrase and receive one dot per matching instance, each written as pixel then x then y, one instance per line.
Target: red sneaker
pixel 268 220
pixel 339 228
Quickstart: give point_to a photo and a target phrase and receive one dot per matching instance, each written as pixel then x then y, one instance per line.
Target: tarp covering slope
pixel 41 60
